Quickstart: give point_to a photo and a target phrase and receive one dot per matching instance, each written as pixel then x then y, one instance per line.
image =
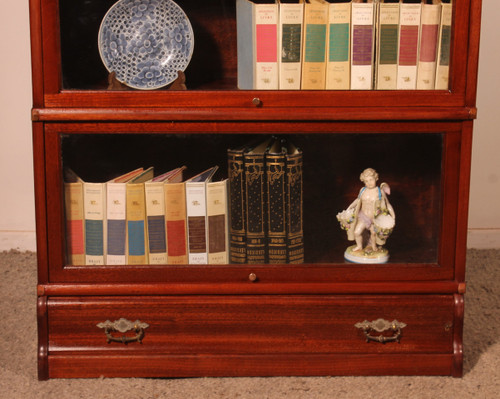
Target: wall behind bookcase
pixel 17 215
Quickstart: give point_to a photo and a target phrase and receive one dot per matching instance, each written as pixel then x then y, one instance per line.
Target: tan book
pixel 94 207
pixel 75 220
pixel 429 34
pixel 362 44
pixel 217 219
pixel 196 209
pixel 116 215
pixel 137 248
pixel 338 60
pixel 155 216
pixel 386 65
pixel 314 45
pixel 444 43
pixel 409 33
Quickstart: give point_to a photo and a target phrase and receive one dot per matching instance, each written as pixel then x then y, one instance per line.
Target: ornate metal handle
pixel 380 326
pixel 123 325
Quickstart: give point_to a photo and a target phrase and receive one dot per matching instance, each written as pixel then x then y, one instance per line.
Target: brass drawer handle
pixel 122 326
pixel 381 326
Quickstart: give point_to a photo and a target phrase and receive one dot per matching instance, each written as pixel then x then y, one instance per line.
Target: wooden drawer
pixel 250 335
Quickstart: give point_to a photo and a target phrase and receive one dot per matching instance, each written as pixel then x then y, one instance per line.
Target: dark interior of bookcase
pixel 411 163
pixel 213 64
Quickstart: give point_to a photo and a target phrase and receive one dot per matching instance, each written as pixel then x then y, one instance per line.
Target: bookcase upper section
pixel 70 78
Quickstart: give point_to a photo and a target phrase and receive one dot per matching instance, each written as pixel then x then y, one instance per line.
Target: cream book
pixel 443 59
pixel 291 18
pixel 429 34
pixel 362 44
pixel 137 248
pixel 155 215
pixel 387 46
pixel 116 198
pixel 409 33
pixel 196 209
pixel 217 215
pixel 74 216
pixel 338 61
pixel 257 44
pixel 94 206
pixel 314 45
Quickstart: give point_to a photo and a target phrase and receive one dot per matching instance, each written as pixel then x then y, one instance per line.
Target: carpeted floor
pixel 18 370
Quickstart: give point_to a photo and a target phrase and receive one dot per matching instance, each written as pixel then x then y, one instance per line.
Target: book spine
pixel 276 207
pixel 254 166
pixel 156 229
pixel 443 63
pixel 266 46
pixel 290 37
pixel 74 214
pixel 338 67
pixel 175 215
pixel 196 208
pixel 294 209
pixel 387 58
pixel 217 213
pixel 237 208
pixel 314 46
pixel 94 196
pixel 362 44
pixel 116 197
pixel 244 39
pixel 426 73
pixel 409 28
pixel 136 225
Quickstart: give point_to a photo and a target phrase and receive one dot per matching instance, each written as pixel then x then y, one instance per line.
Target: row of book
pixel 266 203
pixel 139 219
pixel 343 45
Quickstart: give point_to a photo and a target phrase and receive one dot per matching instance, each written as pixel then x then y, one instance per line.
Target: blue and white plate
pixel 146 42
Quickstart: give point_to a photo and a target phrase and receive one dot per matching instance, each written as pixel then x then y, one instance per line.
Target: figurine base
pixel 366 255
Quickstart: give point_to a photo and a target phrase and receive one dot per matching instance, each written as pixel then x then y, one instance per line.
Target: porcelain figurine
pixel 368 221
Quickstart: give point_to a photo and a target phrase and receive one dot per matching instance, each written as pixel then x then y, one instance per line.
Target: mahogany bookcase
pixel 264 319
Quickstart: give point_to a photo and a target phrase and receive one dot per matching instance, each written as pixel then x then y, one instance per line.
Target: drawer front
pixel 237 325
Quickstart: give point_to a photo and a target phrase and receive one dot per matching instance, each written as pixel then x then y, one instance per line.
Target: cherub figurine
pixel 371 212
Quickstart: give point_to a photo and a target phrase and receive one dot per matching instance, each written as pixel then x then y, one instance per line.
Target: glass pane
pixel 332 163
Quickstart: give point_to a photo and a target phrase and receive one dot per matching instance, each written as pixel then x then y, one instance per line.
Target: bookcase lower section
pixel 250 335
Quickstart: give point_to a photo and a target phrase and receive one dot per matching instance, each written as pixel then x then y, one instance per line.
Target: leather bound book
pixel 255 189
pixel 294 205
pixel 276 203
pixel 237 207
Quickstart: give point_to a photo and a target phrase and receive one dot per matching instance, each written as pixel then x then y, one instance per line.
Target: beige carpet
pixel 18 371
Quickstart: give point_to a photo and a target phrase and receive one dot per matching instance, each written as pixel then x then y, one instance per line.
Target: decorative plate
pixel 145 42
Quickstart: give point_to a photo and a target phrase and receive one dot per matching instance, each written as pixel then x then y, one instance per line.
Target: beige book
pixel 444 42
pixel 314 45
pixel 290 34
pixel 409 33
pixel 387 46
pixel 338 58
pixel 362 45
pixel 429 34
pixel 217 214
